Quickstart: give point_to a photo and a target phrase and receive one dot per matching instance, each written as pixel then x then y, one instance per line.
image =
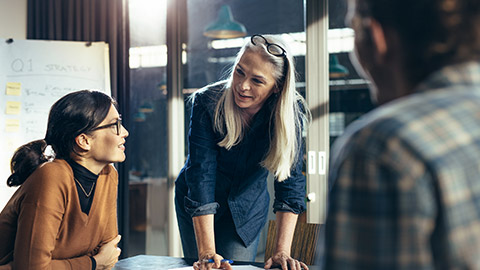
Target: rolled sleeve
pixel 290 194
pixel 285 202
pixel 194 208
pixel 283 207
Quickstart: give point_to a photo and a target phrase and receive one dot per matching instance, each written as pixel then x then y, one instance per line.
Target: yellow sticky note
pixel 13 107
pixel 12 143
pixel 12 125
pixel 13 89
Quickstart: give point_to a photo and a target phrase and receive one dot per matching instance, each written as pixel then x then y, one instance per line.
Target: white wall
pixel 13 24
pixel 13 19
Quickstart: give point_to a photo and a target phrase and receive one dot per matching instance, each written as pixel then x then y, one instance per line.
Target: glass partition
pixel 349 95
pixel 148 155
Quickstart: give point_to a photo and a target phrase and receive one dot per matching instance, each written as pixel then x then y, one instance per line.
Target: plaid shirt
pixel 406 180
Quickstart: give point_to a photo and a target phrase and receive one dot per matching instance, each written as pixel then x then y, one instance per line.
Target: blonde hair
pixel 290 112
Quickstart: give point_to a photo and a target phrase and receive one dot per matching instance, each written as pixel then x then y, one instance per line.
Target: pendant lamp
pixel 146 107
pixel 139 117
pixel 336 70
pixel 225 26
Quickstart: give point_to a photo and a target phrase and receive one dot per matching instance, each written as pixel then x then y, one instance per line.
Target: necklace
pixel 84 192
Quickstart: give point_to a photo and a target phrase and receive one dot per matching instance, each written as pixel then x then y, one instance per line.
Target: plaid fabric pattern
pixel 405 180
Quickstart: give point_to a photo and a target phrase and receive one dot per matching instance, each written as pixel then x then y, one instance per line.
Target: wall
pixel 13 19
pixel 13 24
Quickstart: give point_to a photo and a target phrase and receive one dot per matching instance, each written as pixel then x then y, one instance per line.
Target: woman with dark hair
pixel 63 215
pixel 241 130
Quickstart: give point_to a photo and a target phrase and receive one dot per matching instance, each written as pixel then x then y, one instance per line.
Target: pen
pixel 212 261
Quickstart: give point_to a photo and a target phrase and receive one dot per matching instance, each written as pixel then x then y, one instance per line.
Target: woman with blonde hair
pixel 241 129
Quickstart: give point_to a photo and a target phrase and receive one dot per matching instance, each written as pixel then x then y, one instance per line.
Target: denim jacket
pixel 214 179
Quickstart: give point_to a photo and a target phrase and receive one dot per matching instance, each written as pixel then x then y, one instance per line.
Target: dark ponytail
pixel 25 160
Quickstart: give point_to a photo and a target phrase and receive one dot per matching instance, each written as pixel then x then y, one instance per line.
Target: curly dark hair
pixel 435 33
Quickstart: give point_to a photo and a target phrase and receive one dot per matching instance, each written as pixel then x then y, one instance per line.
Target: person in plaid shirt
pixel 405 178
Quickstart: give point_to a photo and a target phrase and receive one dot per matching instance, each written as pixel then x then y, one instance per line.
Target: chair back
pixel 304 241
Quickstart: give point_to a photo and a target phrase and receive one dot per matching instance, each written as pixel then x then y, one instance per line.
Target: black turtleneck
pixel 88 181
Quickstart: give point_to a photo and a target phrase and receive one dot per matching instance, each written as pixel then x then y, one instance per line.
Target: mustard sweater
pixel 43 226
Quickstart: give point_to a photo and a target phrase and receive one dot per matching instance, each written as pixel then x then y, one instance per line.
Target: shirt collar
pixel 466 73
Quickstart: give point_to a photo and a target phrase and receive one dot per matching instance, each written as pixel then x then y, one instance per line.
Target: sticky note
pixel 13 107
pixel 13 89
pixel 12 125
pixel 12 143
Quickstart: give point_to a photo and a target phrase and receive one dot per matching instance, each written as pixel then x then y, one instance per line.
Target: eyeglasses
pixel 272 48
pixel 117 126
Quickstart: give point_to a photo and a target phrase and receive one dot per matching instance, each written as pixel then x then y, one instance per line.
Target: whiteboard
pixel 33 75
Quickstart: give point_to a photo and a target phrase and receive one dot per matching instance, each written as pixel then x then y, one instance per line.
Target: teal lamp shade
pixel 225 26
pixel 139 117
pixel 336 70
pixel 146 107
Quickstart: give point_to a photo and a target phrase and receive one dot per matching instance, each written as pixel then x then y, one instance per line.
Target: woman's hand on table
pixel 204 264
pixel 284 260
